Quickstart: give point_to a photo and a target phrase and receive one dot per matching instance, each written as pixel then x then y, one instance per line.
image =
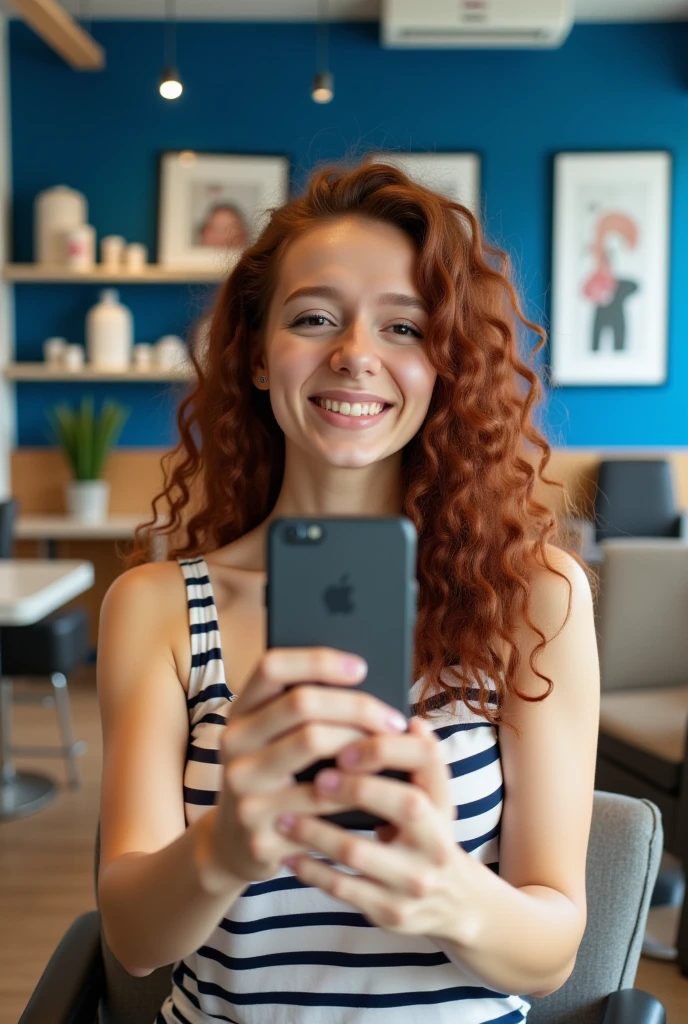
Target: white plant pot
pixel 88 500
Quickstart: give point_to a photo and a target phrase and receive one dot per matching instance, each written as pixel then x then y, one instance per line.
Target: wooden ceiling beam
pixel 62 33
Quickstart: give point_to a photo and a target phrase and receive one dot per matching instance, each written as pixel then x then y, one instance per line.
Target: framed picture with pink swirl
pixel 610 268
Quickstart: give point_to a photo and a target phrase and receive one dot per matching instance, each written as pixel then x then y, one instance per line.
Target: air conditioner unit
pixel 435 24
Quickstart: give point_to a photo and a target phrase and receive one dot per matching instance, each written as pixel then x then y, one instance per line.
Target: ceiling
pixel 338 10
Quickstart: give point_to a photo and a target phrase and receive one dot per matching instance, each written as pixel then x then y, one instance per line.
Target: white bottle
pixel 57 211
pixel 109 333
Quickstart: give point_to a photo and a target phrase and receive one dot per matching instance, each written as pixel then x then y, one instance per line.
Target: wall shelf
pixel 42 372
pixel 153 273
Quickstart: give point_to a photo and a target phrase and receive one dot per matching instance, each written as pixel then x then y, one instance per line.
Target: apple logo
pixel 337 597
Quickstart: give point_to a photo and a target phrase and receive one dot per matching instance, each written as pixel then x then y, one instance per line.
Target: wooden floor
pixel 46 864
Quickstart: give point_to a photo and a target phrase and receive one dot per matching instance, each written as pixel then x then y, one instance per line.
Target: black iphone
pixel 347 583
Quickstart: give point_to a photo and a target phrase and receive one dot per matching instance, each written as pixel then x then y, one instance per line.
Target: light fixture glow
pixel 170 86
pixel 323 87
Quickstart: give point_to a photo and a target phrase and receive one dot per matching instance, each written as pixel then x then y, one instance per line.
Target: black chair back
pixel 8 514
pixel 635 498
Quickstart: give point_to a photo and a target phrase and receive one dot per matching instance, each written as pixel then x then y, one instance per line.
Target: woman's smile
pixel 349 409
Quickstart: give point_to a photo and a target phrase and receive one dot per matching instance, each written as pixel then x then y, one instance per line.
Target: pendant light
pixel 323 83
pixel 170 84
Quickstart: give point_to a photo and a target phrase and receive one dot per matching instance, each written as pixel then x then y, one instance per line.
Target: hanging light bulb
pixel 323 83
pixel 323 88
pixel 170 84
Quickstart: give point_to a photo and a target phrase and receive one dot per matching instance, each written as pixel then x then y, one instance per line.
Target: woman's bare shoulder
pixel 150 601
pixel 159 580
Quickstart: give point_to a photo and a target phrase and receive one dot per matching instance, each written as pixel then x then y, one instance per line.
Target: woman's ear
pixel 259 372
pixel 260 377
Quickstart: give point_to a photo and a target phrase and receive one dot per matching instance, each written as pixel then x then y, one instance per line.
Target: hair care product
pixel 109 332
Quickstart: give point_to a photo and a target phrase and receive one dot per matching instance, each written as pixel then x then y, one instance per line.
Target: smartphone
pixel 347 583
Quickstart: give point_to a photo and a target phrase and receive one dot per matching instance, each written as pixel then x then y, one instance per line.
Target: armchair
pixel 633 498
pixel 83 979
pixel 643 647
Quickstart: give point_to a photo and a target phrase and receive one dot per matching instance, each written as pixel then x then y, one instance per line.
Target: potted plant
pixel 86 440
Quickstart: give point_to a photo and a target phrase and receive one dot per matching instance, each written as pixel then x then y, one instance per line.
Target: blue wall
pixel 247 91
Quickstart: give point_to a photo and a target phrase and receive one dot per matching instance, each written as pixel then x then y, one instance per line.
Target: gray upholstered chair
pixel 642 627
pixel 633 498
pixel 623 859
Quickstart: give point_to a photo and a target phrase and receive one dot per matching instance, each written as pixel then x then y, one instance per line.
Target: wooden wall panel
pixel 39 476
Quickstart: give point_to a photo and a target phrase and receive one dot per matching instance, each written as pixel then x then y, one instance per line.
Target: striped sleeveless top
pixel 288 953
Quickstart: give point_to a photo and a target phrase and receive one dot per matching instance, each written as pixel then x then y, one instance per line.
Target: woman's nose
pixel 356 353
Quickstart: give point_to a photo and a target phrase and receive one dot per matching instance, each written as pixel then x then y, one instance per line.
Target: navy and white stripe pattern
pixel 287 953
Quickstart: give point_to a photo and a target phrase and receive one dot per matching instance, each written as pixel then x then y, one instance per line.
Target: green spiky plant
pixel 87 439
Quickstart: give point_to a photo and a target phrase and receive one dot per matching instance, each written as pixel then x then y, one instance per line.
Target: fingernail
pixel 350 757
pixel 285 822
pixel 395 720
pixel 354 667
pixel 328 780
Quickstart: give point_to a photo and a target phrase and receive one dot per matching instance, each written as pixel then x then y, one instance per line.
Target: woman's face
pixel 223 228
pixel 345 361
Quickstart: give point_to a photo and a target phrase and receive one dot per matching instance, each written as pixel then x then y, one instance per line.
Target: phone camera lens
pixel 290 534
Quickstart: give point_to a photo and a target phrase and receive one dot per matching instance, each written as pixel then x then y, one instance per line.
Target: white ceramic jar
pixel 73 357
pixel 80 246
pixel 112 251
pixel 170 352
pixel 109 333
pixel 135 256
pixel 53 351
pixel 57 211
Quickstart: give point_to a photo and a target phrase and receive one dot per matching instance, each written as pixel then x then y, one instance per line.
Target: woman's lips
pixel 337 419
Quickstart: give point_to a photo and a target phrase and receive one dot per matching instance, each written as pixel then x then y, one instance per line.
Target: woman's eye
pixel 309 316
pixel 413 330
pixel 320 316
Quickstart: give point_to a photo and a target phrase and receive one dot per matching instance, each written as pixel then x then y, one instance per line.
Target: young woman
pixel 362 360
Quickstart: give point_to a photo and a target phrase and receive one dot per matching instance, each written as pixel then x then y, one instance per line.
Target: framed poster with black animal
pixel 610 268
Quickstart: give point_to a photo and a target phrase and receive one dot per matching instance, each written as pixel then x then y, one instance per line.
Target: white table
pixel 30 589
pixel 49 529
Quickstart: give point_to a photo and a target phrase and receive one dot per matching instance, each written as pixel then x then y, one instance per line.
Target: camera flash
pixel 314 532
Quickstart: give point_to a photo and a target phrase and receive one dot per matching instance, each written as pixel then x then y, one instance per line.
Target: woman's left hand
pixel 414 878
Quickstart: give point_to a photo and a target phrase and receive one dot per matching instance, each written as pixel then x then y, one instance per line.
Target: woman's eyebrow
pixel 386 299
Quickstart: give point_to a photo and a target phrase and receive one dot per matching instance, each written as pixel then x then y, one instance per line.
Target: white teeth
pixel 351 409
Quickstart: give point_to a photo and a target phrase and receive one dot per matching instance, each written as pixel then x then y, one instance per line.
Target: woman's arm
pixel 159 907
pixel 522 929
pixel 158 896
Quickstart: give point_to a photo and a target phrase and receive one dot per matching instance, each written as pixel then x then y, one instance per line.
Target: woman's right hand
pixel 276 729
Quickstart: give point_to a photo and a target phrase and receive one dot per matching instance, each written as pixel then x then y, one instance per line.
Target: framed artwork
pixel 610 268
pixel 212 205
pixel 456 175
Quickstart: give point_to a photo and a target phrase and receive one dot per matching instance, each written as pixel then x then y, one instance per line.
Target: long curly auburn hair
pixel 467 481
